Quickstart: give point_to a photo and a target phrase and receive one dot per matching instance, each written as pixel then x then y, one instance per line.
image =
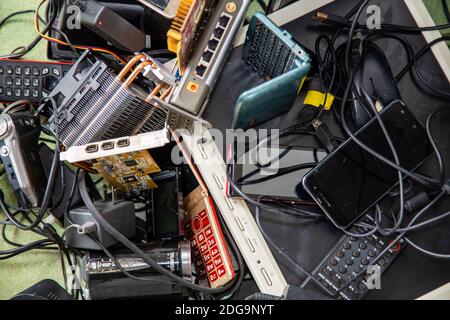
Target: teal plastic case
pixel 277 57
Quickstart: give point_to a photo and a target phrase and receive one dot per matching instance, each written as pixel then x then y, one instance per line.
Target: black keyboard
pixel 350 257
pixel 30 80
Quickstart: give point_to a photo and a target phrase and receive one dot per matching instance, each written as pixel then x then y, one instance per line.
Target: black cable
pixel 396 159
pixel 446 10
pixel 293 211
pixel 339 21
pixel 433 142
pixel 280 172
pixel 5 19
pixel 51 13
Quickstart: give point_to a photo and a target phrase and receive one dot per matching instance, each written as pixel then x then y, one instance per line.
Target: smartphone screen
pixel 266 163
pixel 350 180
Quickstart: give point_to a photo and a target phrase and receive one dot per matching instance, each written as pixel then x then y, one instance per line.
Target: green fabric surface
pixel 22 271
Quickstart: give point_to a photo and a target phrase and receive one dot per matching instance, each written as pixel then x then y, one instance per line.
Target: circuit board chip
pixel 128 172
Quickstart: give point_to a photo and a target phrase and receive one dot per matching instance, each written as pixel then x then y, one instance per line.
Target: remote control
pixel 30 80
pixel 211 257
pixel 352 255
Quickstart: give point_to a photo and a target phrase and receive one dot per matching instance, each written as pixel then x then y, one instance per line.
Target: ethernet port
pixel 207 55
pixel 212 44
pixel 223 21
pixel 218 32
pixel 200 70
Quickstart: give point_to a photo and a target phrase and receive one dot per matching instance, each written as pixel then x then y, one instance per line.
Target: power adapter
pixel 120 215
pixel 112 27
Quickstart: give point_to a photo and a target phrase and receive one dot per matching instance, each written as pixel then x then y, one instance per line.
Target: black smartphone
pixel 350 180
pixel 262 172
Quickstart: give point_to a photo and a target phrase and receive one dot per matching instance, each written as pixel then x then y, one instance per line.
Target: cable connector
pixel 331 19
pixel 325 136
pixel 86 228
pixel 417 202
pixel 357 49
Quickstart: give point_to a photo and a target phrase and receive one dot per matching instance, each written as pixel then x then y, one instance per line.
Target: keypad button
pixel 213 277
pixel 35 82
pixel 221 271
pixel 26 92
pixel 18 82
pixel 56 72
pixel 356 253
pixel 207 257
pixel 18 71
pixel 349 262
pixel 198 263
pixel 363 245
pixel 361 286
pixel 333 262
pixel 342 270
pixel 9 81
pixel 2 70
pixel 214 251
pixel 217 261
pixel 9 70
pixel 36 72
pixel 371 253
pixel 205 222
pixel 193 243
pixel 340 254
pixel 203 248
pixel 45 71
pixel 9 92
pixel 196 224
pixel 1 90
pixel 326 271
pixel 382 262
pixel 211 242
pixel 347 245
pixel 365 261
pixel 203 214
pixel 208 232
pixel 201 238
pixel 358 269
pixel 210 267
pixel 27 71
pixel 17 92
pixel 26 82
